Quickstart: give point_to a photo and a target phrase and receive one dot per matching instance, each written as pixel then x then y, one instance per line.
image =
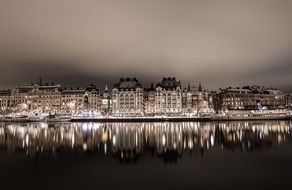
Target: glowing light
pixel 114 140
pixel 212 140
pixel 105 148
pixel 163 140
pixel 26 139
pixel 73 140
pixel 84 146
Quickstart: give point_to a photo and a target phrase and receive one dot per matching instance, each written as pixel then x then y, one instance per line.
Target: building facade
pixel 196 101
pixel 289 100
pixel 36 97
pixel 127 98
pixel 168 98
pixel 5 101
pixel 49 99
pixel 81 101
pixel 249 98
pixel 149 100
pixel 106 103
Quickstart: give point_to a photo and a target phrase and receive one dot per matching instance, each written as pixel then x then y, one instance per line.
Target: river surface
pixel 178 155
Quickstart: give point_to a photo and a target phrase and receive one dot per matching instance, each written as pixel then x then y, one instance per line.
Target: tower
pixel 200 87
pixel 106 89
pixel 152 86
pixel 40 81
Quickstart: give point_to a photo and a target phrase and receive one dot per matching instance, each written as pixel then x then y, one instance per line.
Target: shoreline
pixel 173 119
pixel 167 119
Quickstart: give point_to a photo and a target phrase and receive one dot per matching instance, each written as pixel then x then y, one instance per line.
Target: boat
pixel 255 115
pixel 58 118
pixel 20 118
pixel 2 118
pixel 8 118
pixel 36 118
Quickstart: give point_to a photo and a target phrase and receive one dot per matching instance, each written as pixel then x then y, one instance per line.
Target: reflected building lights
pixel 128 141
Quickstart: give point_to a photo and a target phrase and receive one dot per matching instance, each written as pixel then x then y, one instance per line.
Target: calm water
pixel 191 155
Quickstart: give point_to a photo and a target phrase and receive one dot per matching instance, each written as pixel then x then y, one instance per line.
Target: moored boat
pixel 2 118
pixel 36 119
pixel 58 118
pixel 20 118
pixel 254 115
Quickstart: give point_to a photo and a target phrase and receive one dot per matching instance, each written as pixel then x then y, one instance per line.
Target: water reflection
pixel 129 141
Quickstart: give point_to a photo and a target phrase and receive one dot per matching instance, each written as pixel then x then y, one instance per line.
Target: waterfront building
pixel 92 99
pixel 188 100
pixel 196 101
pixel 168 99
pixel 49 99
pixel 73 100
pixel 249 98
pixel 289 100
pixel 77 101
pixel 149 100
pixel 127 97
pixel 36 97
pixel 106 102
pixel 4 101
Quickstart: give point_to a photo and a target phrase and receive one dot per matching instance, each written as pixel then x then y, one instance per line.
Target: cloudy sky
pixel 77 42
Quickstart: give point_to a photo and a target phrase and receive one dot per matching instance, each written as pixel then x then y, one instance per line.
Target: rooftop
pixel 127 83
pixel 169 83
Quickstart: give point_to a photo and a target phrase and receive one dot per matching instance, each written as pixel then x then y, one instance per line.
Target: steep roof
pixel 169 83
pixel 128 83
pixel 5 92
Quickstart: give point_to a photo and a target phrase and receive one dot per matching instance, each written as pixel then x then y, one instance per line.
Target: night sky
pixel 77 42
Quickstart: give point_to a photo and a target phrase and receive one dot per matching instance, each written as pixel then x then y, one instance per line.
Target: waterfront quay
pixel 142 119
pixel 177 119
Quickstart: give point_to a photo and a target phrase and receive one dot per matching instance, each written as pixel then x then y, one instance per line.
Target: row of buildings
pixel 168 97
pixel 51 98
pixel 250 98
pixel 129 98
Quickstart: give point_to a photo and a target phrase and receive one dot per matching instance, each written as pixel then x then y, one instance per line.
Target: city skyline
pixel 219 44
pixel 145 94
pixel 129 98
pixel 109 86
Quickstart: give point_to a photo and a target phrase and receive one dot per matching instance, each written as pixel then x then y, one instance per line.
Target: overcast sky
pixel 77 42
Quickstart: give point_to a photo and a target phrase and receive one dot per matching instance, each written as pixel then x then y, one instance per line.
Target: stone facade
pixel 127 97
pixel 79 100
pixel 195 101
pixel 168 99
pixel 5 100
pixel 36 97
pixel 149 100
pixel 289 100
pixel 106 103
pixel 249 98
pixel 49 99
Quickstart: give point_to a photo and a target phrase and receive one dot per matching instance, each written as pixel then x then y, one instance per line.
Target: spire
pixel 40 81
pixel 200 87
pixel 189 86
pixel 106 89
